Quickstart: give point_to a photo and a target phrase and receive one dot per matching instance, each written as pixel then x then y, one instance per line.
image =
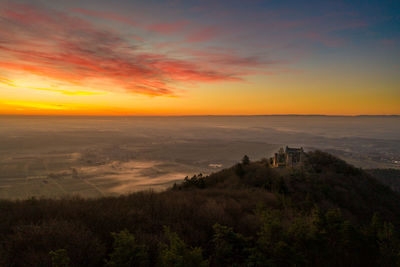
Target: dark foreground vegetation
pixel 389 177
pixel 327 213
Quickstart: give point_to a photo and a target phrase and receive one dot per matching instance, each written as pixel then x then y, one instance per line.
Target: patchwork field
pixel 98 156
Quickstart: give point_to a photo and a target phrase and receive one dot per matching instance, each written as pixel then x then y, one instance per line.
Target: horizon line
pixel 204 115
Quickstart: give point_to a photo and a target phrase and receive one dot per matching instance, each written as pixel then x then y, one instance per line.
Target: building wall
pixel 289 158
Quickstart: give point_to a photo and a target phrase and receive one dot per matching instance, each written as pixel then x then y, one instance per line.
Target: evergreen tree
pixel 177 254
pixel 126 251
pixel 246 160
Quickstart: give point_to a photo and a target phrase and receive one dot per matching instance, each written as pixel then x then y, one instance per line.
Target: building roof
pixel 293 150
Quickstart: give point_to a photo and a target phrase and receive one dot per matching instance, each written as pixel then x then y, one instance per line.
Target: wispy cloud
pixel 55 45
pixel 67 92
pixel 203 35
pixel 168 27
pixel 73 47
pixel 106 15
pixel 39 106
pixel 62 91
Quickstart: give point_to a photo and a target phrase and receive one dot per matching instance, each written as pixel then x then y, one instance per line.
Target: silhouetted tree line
pixel 327 213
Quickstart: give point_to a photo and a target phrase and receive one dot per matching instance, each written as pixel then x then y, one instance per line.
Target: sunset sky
pixel 204 57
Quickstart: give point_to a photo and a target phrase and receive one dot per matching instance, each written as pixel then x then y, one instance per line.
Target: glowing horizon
pixel 199 58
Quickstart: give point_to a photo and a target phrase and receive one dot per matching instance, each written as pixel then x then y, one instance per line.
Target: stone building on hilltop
pixel 288 158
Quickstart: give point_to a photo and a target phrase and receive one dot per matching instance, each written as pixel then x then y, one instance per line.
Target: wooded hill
pixel 327 213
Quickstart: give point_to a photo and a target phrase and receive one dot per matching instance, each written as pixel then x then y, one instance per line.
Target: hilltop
pixel 325 213
pixel 325 180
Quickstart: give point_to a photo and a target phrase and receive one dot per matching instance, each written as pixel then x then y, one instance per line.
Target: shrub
pixel 230 248
pixel 126 251
pixel 177 254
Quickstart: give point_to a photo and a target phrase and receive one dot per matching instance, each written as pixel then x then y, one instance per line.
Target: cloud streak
pixel 160 53
pixel 56 45
pixel 203 35
pixel 168 28
pixel 106 15
pixel 62 91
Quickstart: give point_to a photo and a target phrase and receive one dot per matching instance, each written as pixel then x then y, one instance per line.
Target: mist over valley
pixel 100 156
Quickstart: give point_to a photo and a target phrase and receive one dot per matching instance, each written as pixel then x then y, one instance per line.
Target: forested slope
pixel 326 213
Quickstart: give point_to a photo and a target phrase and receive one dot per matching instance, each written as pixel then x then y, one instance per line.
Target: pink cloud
pixel 167 28
pixel 106 15
pixel 388 42
pixel 163 28
pixel 232 62
pixel 203 35
pixel 73 50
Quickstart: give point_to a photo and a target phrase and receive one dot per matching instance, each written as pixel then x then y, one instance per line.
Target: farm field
pixel 101 156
